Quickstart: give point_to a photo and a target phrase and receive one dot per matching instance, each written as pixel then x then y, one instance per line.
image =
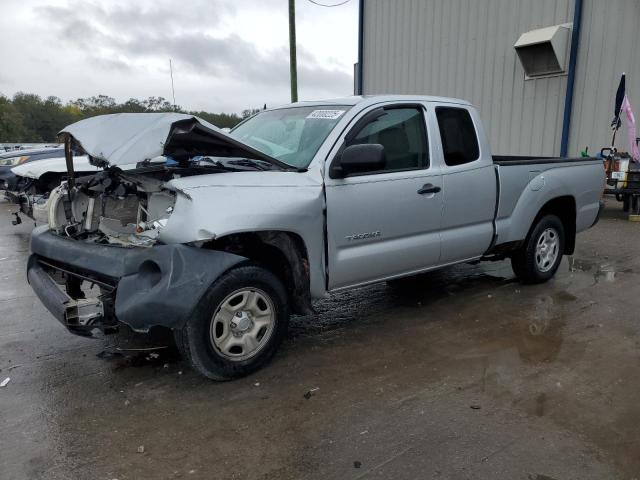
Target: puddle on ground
pixel 564 297
pixel 580 265
pixel 603 272
pixel 512 336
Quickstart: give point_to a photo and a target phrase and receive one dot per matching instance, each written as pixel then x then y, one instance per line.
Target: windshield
pixel 291 135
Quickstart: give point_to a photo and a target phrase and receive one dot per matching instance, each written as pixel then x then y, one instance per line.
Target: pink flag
pixel 631 128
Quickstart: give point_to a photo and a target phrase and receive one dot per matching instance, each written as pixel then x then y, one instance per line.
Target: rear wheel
pixel 237 326
pixel 540 256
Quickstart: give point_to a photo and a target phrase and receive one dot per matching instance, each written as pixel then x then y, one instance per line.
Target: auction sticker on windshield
pixel 326 114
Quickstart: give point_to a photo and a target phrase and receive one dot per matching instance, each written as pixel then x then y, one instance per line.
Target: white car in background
pixel 36 180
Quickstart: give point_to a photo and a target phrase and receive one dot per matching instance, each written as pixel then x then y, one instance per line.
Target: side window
pixel 402 133
pixel 459 139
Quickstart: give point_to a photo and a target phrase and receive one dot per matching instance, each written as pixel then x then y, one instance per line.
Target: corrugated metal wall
pixel 609 45
pixel 464 48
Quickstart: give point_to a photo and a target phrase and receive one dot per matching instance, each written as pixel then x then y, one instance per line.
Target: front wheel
pixel 540 256
pixel 238 324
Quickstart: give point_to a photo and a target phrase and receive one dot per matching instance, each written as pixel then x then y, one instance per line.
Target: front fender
pixel 251 202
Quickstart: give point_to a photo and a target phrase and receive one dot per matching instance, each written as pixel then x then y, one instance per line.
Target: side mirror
pixel 368 157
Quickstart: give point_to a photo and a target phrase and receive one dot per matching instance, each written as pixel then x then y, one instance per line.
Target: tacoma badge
pixel 362 236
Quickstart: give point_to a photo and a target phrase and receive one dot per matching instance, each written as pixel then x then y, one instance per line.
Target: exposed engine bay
pixel 113 207
pixel 130 201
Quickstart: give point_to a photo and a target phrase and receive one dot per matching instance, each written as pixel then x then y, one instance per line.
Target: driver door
pixel 385 223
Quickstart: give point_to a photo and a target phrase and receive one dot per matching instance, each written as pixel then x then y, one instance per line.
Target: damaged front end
pixel 101 259
pixel 113 207
pixel 117 210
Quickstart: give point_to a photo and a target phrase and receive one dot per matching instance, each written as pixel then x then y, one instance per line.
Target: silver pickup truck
pixel 221 236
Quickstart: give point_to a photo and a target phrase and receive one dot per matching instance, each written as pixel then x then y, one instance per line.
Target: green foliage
pixel 250 112
pixel 30 118
pixel 220 120
pixel 11 122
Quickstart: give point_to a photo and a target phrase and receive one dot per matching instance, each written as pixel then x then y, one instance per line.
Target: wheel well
pixel 283 253
pixel 565 209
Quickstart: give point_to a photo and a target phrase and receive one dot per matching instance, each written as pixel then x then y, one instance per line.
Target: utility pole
pixel 173 90
pixel 293 64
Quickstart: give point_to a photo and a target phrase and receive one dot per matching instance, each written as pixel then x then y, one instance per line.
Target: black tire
pixel 524 261
pixel 195 342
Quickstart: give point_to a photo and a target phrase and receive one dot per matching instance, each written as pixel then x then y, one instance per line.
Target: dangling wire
pixel 323 5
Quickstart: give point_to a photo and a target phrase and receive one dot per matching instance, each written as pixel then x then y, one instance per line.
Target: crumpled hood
pixel 128 138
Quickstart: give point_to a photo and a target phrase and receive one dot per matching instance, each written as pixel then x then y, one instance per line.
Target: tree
pixel 30 108
pixel 96 105
pixel 159 104
pixel 11 126
pixel 220 120
pixel 250 112
pixel 133 105
pixel 29 118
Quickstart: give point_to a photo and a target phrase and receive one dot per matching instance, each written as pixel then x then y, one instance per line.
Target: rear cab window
pixel 458 135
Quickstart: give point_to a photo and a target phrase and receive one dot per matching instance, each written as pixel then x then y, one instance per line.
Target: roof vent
pixel 543 51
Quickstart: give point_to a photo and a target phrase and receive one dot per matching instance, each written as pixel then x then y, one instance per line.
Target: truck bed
pixel 525 184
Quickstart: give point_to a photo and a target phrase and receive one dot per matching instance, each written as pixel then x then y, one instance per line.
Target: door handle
pixel 429 188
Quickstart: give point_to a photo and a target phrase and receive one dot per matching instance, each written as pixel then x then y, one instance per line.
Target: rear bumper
pixel 142 287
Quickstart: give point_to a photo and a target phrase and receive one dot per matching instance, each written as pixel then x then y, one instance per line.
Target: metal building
pixel 467 49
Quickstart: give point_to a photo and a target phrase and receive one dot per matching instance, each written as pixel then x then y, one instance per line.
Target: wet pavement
pixel 463 374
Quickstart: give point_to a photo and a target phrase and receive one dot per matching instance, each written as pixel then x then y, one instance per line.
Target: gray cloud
pixel 126 37
pixel 159 15
pixel 112 64
pixel 227 54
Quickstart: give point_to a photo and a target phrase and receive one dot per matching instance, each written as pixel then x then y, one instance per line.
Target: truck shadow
pixel 378 301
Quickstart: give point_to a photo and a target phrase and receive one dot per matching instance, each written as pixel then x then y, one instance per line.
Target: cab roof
pixel 365 100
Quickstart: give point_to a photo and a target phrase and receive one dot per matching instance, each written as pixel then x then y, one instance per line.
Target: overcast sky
pixel 227 55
